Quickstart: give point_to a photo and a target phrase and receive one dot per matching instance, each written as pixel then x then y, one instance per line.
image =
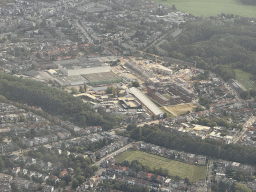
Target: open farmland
pixel 208 8
pixel 175 168
pixel 244 78
pixel 180 108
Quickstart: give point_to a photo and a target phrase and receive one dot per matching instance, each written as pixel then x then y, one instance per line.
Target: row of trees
pixel 91 146
pixel 53 101
pixel 215 121
pixel 181 142
pixel 137 167
pixel 122 186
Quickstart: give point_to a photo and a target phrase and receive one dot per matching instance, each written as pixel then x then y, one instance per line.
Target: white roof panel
pixel 146 101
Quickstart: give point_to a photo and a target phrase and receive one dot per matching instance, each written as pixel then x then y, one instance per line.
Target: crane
pixel 156 56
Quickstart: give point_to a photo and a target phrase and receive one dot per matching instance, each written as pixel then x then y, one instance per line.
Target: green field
pixel 208 8
pixel 175 168
pixel 180 109
pixel 244 78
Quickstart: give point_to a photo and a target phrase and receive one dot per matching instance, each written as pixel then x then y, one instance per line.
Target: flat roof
pixel 79 63
pixel 146 101
pixel 201 128
pixel 65 80
pixel 100 77
pixel 31 73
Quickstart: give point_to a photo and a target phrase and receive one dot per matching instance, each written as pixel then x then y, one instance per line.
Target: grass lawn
pixel 244 78
pixel 208 8
pixel 183 170
pixel 167 96
pixel 167 112
pixel 180 108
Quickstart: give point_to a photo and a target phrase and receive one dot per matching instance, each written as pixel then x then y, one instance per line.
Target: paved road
pixel 245 128
pixel 84 32
pixel 147 123
pixel 114 153
pixel 174 34
pixel 209 174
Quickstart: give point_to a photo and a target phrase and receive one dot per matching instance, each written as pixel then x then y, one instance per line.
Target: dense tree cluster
pixel 235 187
pixel 205 102
pixel 137 166
pixel 248 2
pixel 238 175
pixel 217 46
pixel 135 84
pixel 181 142
pixel 52 100
pixel 214 121
pixel 112 184
pixel 112 90
pixel 91 146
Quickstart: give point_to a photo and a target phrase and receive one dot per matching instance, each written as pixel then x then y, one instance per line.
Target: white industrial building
pixel 146 102
pixel 81 66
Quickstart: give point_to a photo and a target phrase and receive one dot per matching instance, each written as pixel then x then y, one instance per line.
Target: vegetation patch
pixel 244 78
pixel 175 168
pixel 167 96
pixel 208 8
pixel 180 108
pixel 167 112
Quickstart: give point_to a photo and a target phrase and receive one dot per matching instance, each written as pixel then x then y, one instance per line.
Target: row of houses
pixel 39 140
pixel 111 148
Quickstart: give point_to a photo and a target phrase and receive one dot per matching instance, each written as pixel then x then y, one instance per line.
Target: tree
pixel 114 92
pixel 131 127
pixel 95 168
pixel 62 183
pixel 81 89
pixel 186 180
pixel 245 95
pixel 74 90
pixel 1 164
pixel 241 188
pixel 80 179
pixel 110 89
pixel 38 55
pixel 2 99
pixel 117 91
pixel 135 84
pixel 85 87
pixel 14 187
pixel 33 132
pixel 78 171
pixel 75 184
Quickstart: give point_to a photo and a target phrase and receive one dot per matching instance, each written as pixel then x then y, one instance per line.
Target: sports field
pixel 175 168
pixel 180 108
pixel 244 78
pixel 208 8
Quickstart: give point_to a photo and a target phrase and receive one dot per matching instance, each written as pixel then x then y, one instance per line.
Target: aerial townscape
pixel 127 96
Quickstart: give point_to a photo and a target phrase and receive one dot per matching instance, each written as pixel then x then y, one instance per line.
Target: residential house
pixel 64 173
pixel 16 170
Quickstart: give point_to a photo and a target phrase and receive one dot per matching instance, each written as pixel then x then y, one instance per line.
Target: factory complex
pixel 107 83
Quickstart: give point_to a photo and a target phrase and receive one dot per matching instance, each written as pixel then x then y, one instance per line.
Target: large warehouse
pixel 146 102
pixel 81 66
